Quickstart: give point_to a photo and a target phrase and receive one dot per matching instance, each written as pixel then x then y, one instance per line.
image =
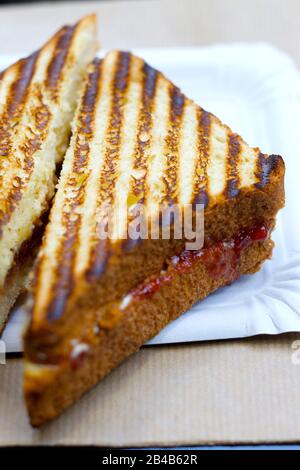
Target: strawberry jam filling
pixel 221 261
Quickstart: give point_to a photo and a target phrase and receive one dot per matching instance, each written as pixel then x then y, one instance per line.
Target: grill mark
pixel 144 132
pixel 17 95
pixel 200 193
pixel 15 103
pixel 265 166
pixel 172 143
pixel 100 255
pixel 113 140
pixel 64 285
pixel 234 149
pixel 62 289
pixel 8 205
pixel 56 65
pixel 42 115
pixel 138 189
pixel 108 174
pixel 19 89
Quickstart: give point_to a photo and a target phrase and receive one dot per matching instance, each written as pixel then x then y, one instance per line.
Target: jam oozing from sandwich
pixel 79 353
pixel 220 260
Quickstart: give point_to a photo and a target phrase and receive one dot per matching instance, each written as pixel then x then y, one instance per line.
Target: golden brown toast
pixel 50 388
pixel 38 96
pixel 137 138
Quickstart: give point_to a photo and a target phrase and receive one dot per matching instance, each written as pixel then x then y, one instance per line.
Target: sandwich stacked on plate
pixel 38 96
pixel 136 139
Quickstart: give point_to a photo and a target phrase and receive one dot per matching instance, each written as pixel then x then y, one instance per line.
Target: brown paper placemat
pixel 242 391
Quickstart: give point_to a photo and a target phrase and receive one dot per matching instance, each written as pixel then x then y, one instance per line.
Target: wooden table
pixel 220 392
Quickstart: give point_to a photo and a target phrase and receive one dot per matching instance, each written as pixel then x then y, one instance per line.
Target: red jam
pixel 220 260
pixel 79 354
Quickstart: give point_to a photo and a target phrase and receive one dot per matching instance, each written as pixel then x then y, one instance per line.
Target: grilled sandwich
pixel 96 300
pixel 38 97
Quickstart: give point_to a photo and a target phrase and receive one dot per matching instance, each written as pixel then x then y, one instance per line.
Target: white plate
pixel 256 90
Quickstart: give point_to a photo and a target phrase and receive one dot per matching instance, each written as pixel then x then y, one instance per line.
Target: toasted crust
pixel 138 138
pixel 49 389
pixel 17 284
pixel 38 96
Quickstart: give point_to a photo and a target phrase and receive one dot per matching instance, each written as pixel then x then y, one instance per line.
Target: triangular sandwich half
pixel 38 97
pixel 137 138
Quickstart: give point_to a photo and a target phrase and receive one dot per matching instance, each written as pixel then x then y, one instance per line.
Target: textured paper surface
pixel 239 391
pixel 252 88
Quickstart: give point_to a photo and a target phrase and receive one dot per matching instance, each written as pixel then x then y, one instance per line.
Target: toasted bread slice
pixel 50 388
pixel 38 96
pixel 136 138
